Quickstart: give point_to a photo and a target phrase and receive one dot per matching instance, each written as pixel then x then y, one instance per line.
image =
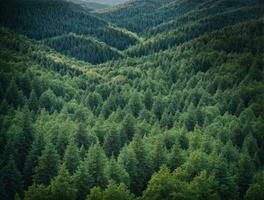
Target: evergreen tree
pixel 115 191
pixel 128 161
pixel 81 180
pixel 148 99
pixel 12 94
pixel 158 107
pixel 61 186
pixel 32 158
pixel 71 157
pixel 112 143
pixel 95 194
pixel 47 165
pixel 116 172
pixel 81 137
pixel 135 104
pixel 127 129
pixel 91 172
pixel 143 171
pixel 158 155
pixel 48 100
pixel 162 186
pixel 33 101
pixel 10 180
pixel 245 173
pixel 38 192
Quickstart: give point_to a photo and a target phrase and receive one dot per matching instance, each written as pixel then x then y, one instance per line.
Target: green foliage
pixel 47 166
pixel 71 157
pixel 61 186
pixel 178 115
pixel 11 180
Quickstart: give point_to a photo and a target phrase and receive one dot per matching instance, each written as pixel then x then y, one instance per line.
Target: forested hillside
pixel 92 111
pixel 83 48
pixel 48 18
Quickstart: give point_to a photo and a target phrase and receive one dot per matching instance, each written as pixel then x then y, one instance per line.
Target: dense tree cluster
pixel 49 18
pixel 83 48
pixel 185 123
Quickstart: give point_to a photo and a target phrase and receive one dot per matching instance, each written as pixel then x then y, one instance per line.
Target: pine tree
pixel 61 186
pixel 10 180
pixel 162 186
pixel 148 99
pixel 81 136
pixel 143 170
pixel 115 191
pixel 128 161
pixel 38 192
pixel 81 180
pixel 158 155
pixel 135 104
pixel 47 166
pixel 158 107
pixel 127 128
pixel 116 172
pixel 166 120
pixel 33 101
pixel 96 161
pixel 112 143
pixel 71 157
pixel 32 158
pixel 48 100
pixel 245 173
pixel 91 172
pixel 95 194
pixel 12 94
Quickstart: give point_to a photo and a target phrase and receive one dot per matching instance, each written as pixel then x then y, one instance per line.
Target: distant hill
pixel 83 48
pixel 44 19
pixel 90 5
pixel 107 2
pixel 146 100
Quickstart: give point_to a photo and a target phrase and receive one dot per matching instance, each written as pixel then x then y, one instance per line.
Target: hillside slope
pixel 83 48
pixel 44 19
pixel 179 116
pixel 141 16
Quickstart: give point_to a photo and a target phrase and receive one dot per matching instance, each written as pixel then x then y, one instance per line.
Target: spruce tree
pixel 135 104
pixel 61 186
pixel 10 180
pixel 47 166
pixel 112 143
pixel 116 172
pixel 32 158
pixel 71 157
pixel 148 99
pixel 33 101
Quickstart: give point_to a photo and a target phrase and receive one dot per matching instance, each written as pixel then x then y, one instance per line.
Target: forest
pixel 143 100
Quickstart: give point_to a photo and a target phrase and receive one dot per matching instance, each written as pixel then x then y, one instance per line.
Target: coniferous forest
pixel 143 100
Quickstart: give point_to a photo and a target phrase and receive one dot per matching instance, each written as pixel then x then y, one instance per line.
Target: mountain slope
pixel 181 117
pixel 44 19
pixel 83 48
pixel 188 31
pixel 141 16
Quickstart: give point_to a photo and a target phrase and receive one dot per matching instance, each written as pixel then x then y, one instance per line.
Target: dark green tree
pixel 128 128
pixel 116 172
pixel 61 186
pixel 47 166
pixel 71 157
pixel 32 158
pixel 135 104
pixel 112 142
pixel 10 180
pixel 148 99
pixel 33 101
